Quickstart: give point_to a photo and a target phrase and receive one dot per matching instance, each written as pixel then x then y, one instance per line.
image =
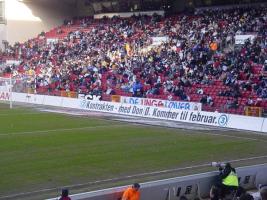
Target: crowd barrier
pixel 258 124
pixel 195 186
pixel 253 111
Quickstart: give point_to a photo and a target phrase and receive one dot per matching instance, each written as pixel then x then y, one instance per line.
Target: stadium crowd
pixel 197 62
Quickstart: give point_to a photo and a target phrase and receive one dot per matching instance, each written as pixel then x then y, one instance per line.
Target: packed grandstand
pixel 196 58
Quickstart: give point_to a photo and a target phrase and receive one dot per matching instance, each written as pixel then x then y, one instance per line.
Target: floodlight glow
pixel 17 10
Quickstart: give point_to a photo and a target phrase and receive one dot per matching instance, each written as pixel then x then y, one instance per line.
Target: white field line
pixel 15 114
pixel 62 129
pixel 194 131
pixel 121 125
pixel 128 177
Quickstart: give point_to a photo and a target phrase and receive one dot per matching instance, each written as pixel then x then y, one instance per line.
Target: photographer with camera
pixel 228 180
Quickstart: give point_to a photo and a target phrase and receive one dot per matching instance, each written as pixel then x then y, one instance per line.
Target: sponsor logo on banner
pixel 152 102
pixel 180 105
pixel 89 97
pixel 131 100
pixel 223 120
pixel 102 106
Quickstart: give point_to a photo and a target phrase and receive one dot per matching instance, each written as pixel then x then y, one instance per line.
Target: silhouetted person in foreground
pixel 65 195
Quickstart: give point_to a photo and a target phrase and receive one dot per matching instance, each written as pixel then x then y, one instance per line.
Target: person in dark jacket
pixel 65 195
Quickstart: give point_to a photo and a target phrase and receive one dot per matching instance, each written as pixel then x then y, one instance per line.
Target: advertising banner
pixel 179 105
pixel 147 111
pixel 206 118
pixel 89 97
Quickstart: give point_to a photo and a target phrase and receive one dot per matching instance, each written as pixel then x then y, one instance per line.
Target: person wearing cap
pixel 229 179
pixel 132 193
pixel 65 195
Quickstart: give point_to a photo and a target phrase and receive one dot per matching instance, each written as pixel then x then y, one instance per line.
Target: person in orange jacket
pixel 214 46
pixel 132 193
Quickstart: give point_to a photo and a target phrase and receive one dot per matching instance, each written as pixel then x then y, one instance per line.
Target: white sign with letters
pixel 179 105
pixel 207 118
pixel 89 97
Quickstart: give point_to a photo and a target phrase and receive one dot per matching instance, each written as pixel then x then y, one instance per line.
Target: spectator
pixel 200 91
pixel 203 99
pixel 258 102
pixel 232 103
pixel 214 46
pixel 209 100
pixel 137 89
pixel 235 103
pixel 65 195
pixel 170 97
pixel 132 193
pixel 250 102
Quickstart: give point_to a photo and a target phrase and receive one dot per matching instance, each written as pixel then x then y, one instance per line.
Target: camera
pixel 218 164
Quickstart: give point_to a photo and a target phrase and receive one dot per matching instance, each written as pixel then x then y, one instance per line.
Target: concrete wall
pixel 192 186
pixel 26 20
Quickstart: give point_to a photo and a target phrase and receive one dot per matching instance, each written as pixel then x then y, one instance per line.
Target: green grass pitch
pixel 43 150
